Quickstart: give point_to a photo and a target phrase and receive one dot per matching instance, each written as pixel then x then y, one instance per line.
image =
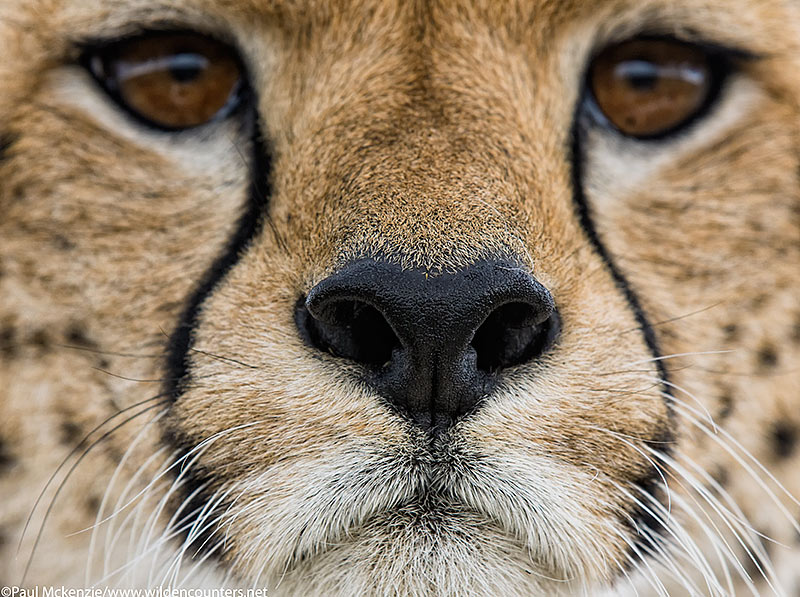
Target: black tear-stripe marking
pixel 195 489
pixel 663 439
pixel 250 225
pixel 584 213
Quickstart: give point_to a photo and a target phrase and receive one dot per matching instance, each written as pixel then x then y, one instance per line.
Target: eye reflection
pixel 172 80
pixel 649 87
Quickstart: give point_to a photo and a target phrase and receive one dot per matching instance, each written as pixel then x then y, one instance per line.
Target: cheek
pixel 264 373
pixel 80 243
pixel 709 229
pixel 594 391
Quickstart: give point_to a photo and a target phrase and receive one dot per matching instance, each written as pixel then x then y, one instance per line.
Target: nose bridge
pixel 430 195
pixel 413 155
pixel 429 285
pixel 404 163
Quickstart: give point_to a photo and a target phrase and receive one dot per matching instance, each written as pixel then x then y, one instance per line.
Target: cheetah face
pixel 443 298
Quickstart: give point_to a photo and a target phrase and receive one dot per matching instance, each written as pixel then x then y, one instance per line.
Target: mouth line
pixel 435 518
pixel 366 498
pixel 435 505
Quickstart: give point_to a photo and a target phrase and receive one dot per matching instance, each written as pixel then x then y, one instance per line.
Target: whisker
pixel 198 526
pixel 642 563
pixel 655 466
pixel 197 451
pixel 680 355
pixel 672 398
pixel 720 431
pixel 49 510
pixel 183 465
pixel 222 358
pixel 71 454
pixel 131 482
pixel 107 372
pixel 674 319
pixel 111 353
pixel 263 196
pixel 154 380
pixel 169 534
pixel 715 537
pixel 751 548
pixel 107 493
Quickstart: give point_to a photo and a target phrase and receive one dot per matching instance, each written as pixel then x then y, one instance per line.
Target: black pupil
pixel 187 66
pixel 641 75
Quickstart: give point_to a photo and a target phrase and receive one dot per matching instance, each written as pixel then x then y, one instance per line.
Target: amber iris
pixel 647 87
pixel 174 80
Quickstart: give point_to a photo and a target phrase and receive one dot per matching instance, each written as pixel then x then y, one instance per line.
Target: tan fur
pixel 435 133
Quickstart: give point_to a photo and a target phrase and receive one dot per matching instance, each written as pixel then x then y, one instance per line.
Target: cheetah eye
pixel 647 88
pixel 170 80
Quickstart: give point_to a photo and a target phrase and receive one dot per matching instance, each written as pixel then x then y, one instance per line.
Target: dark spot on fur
pixel 759 301
pixel 92 505
pixel 784 436
pixel 76 335
pixel 796 330
pixel 113 453
pixel 8 347
pixel 6 141
pixel 103 363
pixel 7 459
pixel 767 357
pixel 62 243
pixel 754 563
pixel 725 406
pixel 731 332
pixel 40 339
pixel 71 433
pixel 642 521
pixel 721 476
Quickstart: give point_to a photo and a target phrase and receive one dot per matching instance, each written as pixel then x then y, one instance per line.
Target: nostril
pixel 348 328
pixel 512 334
pixel 432 345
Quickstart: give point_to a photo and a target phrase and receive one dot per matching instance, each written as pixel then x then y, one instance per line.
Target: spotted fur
pixel 163 422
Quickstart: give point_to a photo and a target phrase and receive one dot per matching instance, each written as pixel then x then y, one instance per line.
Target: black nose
pixel 432 345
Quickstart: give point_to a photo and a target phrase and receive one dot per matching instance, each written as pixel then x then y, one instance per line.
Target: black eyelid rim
pixel 688 38
pixel 724 61
pixel 91 48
